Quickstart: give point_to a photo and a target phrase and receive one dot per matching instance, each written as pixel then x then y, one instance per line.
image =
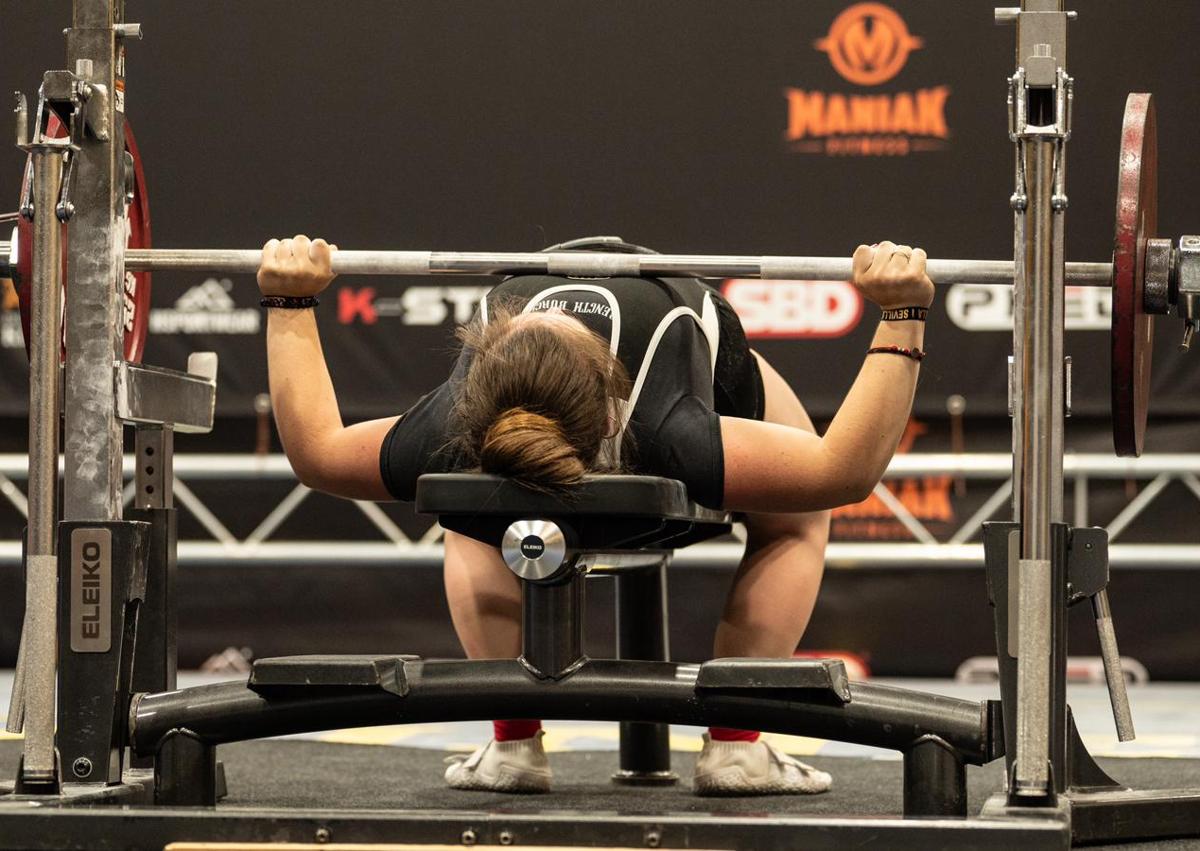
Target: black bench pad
pixel 479 494
pixel 384 672
pixel 604 513
pixel 818 675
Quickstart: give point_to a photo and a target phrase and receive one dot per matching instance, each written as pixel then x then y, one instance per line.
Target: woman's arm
pixel 325 455
pixel 773 468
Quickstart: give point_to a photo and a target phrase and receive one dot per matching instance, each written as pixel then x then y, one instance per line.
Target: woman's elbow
pixel 863 487
pixel 847 483
pixel 847 492
pixel 314 462
pixel 309 473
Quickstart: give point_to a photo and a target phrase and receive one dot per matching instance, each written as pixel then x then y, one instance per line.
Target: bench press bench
pixel 628 526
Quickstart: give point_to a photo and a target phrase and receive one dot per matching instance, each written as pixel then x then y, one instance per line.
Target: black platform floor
pixel 303 774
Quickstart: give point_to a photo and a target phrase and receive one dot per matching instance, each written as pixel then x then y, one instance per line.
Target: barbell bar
pixel 586 264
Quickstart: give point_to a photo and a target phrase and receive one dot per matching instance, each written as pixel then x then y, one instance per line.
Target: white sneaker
pixel 754 768
pixel 519 765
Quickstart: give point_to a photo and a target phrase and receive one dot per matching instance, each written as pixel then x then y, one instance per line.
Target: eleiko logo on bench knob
pixel 534 549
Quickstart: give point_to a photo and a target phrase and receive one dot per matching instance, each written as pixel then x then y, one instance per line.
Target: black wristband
pixel 289 302
pixel 912 354
pixel 902 314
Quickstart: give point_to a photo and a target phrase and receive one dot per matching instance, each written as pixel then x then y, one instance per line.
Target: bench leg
pixel 186 772
pixel 641 612
pixel 935 780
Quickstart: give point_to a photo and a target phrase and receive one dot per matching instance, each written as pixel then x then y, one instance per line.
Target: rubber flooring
pixel 304 774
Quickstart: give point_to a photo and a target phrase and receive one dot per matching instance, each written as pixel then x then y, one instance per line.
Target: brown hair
pixel 535 403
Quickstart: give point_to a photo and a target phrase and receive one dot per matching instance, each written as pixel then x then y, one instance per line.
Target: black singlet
pixel 666 332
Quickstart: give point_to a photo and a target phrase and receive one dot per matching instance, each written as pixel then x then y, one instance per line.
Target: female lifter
pixel 561 377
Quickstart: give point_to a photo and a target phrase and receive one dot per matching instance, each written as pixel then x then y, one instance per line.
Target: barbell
pixel 588 264
pixel 1148 276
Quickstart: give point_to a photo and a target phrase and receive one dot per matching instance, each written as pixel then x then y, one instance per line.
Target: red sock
pixel 728 734
pixel 523 728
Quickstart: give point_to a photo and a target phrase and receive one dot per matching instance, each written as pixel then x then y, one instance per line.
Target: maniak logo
pixel 926 498
pixel 868 44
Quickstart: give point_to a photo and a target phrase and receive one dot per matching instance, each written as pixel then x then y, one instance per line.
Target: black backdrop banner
pixel 704 127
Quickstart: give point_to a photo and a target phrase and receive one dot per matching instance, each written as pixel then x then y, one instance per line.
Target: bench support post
pixel 552 623
pixel 641 614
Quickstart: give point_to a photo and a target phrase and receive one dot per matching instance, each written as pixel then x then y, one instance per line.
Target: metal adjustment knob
pixel 21 116
pixel 534 549
pixel 1007 14
pixel 1189 333
pixel 1187 287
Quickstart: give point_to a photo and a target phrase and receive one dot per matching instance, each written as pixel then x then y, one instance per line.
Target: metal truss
pixel 394 546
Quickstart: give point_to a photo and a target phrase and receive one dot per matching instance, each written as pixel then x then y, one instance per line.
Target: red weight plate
pixel 1136 222
pixel 135 285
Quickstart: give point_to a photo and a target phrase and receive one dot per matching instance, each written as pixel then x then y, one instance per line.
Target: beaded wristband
pixel 901 314
pixel 289 302
pixel 914 354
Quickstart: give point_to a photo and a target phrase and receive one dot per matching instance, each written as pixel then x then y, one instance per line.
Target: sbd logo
pixel 867 44
pixel 794 309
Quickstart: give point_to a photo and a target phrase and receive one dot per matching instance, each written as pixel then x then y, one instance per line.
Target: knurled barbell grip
pixel 1118 693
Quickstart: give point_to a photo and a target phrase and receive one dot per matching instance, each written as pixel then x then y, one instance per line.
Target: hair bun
pixel 531 448
pixel 519 418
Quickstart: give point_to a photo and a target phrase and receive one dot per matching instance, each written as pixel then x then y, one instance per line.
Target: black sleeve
pixel 421 442
pixel 687 447
pixel 676 431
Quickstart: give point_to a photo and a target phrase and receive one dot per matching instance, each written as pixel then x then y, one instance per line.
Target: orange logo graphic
pixel 926 498
pixel 868 43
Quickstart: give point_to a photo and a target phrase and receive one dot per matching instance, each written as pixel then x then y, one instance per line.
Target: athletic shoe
pixel 754 768
pixel 519 765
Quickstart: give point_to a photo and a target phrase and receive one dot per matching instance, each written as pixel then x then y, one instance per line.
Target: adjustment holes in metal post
pixel 149 451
